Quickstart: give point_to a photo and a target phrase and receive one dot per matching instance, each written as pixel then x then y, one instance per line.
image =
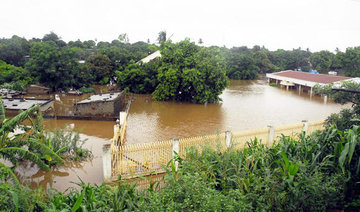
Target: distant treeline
pixel 183 73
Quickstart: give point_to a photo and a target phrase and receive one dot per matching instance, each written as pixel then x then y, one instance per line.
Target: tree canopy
pixel 60 65
pixel 190 73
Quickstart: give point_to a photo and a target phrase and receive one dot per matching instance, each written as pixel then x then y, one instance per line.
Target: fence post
pixel 107 162
pixel 228 137
pixel 306 125
pixel 271 135
pixel 175 149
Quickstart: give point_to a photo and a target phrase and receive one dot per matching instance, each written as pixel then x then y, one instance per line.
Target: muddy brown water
pixel 246 105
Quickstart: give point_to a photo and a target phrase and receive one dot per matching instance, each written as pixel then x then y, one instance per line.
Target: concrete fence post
pixel 106 162
pixel 175 149
pixel 228 138
pixel 306 125
pixel 271 135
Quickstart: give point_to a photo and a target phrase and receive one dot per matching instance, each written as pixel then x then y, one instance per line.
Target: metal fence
pixel 148 158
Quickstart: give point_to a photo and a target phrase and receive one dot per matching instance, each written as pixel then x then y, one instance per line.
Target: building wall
pixel 119 104
pixel 37 90
pixel 101 108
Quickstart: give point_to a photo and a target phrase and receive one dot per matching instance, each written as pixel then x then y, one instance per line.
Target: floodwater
pixel 246 105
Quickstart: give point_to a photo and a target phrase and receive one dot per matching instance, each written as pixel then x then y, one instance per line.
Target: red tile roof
pixel 318 78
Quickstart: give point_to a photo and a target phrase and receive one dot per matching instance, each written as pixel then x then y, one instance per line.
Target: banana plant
pixel 26 145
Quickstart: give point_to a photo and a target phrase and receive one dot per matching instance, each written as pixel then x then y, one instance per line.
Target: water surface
pixel 245 105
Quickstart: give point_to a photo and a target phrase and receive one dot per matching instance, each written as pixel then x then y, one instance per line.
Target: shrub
pixel 68 143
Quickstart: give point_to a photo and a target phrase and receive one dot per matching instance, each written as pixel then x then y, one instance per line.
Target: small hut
pixel 37 89
pixel 104 105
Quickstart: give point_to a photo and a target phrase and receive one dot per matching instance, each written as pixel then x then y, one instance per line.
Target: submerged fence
pixel 147 158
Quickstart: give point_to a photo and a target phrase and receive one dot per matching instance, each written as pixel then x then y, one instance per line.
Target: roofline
pixel 95 101
pixel 299 81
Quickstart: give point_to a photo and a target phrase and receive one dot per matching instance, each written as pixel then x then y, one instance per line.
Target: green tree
pixel 100 67
pixel 124 38
pixel 322 61
pixel 14 50
pixel 190 73
pixel 53 66
pixel 242 66
pixel 350 61
pixel 161 37
pixel 12 77
pixel 139 78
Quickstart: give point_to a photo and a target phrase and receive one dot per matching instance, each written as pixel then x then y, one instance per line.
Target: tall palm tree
pixel 27 145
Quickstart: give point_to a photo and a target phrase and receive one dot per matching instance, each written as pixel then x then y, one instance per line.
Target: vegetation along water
pixel 186 92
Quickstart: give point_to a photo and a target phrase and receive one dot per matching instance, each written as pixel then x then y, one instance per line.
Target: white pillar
pixel 271 135
pixel 311 91
pixel 106 162
pixel 306 126
pixel 228 137
pixel 300 89
pixel 175 149
pixel 325 99
pixel 122 117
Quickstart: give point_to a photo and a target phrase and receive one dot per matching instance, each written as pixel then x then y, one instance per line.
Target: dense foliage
pixel 13 77
pixel 347 117
pixel 67 143
pixel 318 172
pixel 76 64
pixel 190 73
pixel 27 145
pixel 139 78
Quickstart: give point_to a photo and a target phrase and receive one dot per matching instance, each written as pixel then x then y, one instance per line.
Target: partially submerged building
pixel 101 105
pixel 303 81
pixel 37 89
pixel 13 106
pixel 6 93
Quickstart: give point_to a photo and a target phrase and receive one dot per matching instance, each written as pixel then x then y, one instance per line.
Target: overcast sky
pixel 287 24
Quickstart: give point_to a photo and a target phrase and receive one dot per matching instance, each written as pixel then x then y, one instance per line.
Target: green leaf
pixel 15 200
pixel 12 175
pixel 23 153
pixel 78 201
pixel 343 155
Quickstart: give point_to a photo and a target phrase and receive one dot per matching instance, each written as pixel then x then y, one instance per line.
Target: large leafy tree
pixel 100 67
pixel 350 61
pixel 16 78
pixel 53 66
pixel 14 50
pixel 322 61
pixel 161 37
pixel 190 73
pixel 139 78
pixel 241 66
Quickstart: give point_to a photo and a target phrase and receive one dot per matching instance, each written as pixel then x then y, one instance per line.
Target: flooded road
pixel 246 105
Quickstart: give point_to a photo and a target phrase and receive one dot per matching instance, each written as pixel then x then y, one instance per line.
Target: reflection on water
pixel 246 105
pixel 63 176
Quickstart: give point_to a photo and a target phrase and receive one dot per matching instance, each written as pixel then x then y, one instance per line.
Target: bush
pixel 68 143
pixel 87 90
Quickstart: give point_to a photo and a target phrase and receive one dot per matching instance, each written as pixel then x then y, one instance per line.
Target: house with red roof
pixel 303 81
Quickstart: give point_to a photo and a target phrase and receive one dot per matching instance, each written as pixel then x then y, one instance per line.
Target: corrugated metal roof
pixel 318 78
pixel 19 104
pixel 101 98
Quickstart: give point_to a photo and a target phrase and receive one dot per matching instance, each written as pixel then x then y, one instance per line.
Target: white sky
pixel 287 24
